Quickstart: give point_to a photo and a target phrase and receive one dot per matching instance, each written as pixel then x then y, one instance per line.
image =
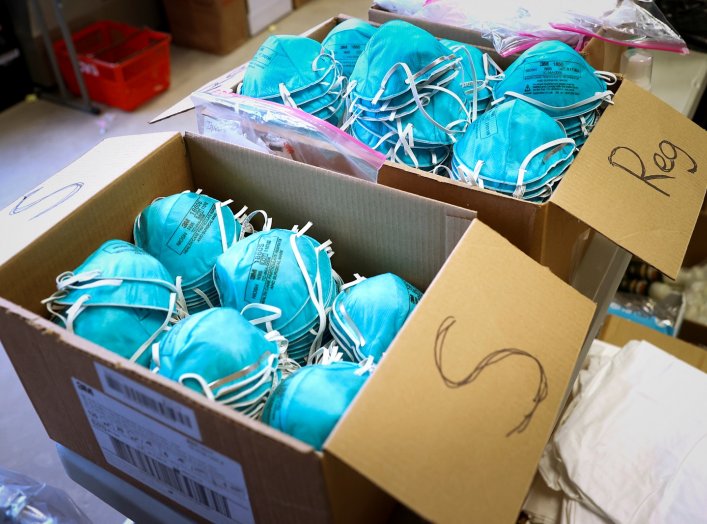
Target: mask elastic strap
pixel 609 78
pixel 365 366
pixel 203 297
pixel 287 97
pixel 267 221
pixel 472 177
pixel 181 306
pixel 411 77
pixel 475 80
pixel 148 343
pixel 156 356
pixel 349 325
pixel 602 95
pixel 442 167
pixel 221 224
pixel 247 387
pixel 357 280
pixel 199 380
pixel 343 340
pixel 325 355
pixel 68 279
pixel 74 310
pixel 314 289
pixel 520 184
pixel 500 75
pixel 276 313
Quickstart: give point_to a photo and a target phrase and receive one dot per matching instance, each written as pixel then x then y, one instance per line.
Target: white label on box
pixel 148 401
pixel 200 479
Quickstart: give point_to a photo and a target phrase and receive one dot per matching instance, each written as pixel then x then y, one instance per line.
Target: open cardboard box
pixel 450 453
pixel 695 332
pixel 619 331
pixel 637 186
pixel 602 55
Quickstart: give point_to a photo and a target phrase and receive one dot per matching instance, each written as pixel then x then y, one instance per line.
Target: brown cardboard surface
pixel 640 178
pixel 619 331
pixel 438 426
pixel 215 26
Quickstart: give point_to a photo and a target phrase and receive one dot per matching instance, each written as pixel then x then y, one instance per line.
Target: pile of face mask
pixel 544 109
pixel 300 73
pixel 408 96
pixel 447 107
pixel 235 314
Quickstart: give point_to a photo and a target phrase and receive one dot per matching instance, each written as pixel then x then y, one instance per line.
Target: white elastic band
pixel 520 184
pixel 145 345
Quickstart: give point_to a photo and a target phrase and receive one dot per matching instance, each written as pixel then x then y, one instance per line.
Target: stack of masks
pixel 281 280
pixel 187 232
pixel 558 80
pixel 515 149
pixel 120 298
pixel 368 313
pixel 300 73
pixel 309 403
pixel 406 96
pixel 347 41
pixel 221 355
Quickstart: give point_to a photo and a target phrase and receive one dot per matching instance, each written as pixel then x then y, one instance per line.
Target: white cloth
pixel 632 447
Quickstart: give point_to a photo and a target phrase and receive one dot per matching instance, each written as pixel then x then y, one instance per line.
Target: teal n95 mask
pixel 515 149
pixel 221 355
pixel 347 41
pixel 557 79
pixel 308 404
pixel 480 74
pixel 406 96
pixel 281 280
pixel 120 297
pixel 187 232
pixel 297 72
pixel 368 313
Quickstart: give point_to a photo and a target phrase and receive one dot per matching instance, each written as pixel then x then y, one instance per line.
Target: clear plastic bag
pixel 25 501
pixel 634 23
pixel 283 131
pixel 515 25
pixel 664 315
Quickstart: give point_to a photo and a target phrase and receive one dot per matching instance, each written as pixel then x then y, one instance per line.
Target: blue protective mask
pixel 368 314
pixel 513 148
pixel 308 404
pixel 221 355
pixel 557 79
pixel 397 56
pixel 121 298
pixel 187 232
pixel 281 280
pixel 347 41
pixel 298 72
pixel 480 74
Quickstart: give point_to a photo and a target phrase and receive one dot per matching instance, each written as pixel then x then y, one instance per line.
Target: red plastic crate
pixel 121 65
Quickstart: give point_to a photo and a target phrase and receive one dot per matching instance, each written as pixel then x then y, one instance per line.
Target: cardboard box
pixel 449 447
pixel 262 13
pixel 601 55
pixel 215 26
pixel 619 331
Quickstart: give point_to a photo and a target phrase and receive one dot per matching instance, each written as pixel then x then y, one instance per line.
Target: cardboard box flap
pixel 455 418
pixel 33 214
pixel 640 179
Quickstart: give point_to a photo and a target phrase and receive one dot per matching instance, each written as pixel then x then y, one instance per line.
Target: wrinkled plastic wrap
pixel 25 501
pixel 516 25
pixel 664 315
pixel 283 131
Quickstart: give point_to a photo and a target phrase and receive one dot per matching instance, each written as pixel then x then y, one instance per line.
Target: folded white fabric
pixel 633 449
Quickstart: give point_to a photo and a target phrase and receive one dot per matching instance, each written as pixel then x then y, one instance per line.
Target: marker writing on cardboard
pixel 664 160
pixel 24 204
pixel 492 358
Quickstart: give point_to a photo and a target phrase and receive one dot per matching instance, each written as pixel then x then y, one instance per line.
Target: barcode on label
pixel 149 401
pixel 174 478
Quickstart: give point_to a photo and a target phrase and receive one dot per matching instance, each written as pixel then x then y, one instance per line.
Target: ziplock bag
pixel 283 131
